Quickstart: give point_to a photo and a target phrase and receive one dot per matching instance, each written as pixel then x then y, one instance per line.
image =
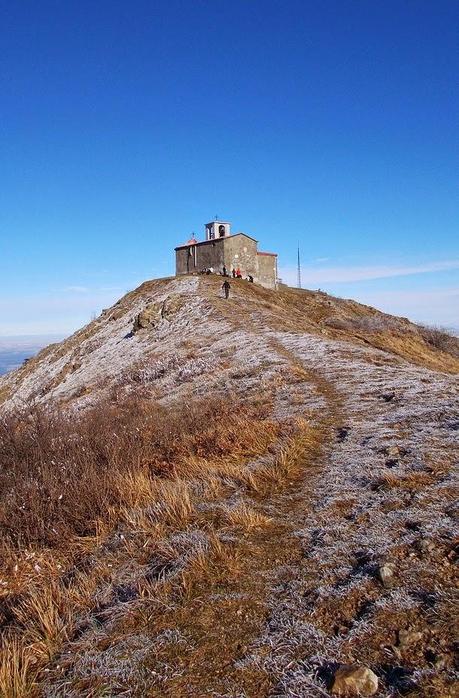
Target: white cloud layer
pixel 431 306
pixel 312 276
pixel 63 312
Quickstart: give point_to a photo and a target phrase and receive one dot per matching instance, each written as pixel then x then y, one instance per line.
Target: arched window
pixel 221 231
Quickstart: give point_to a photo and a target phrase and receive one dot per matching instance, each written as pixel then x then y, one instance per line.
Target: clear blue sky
pixel 124 126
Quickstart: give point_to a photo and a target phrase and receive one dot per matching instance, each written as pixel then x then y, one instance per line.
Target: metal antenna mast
pixel 299 268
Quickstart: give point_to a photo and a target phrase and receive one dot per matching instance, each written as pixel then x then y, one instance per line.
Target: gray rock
pixel 427 545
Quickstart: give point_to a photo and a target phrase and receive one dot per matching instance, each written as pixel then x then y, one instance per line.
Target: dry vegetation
pixel 441 338
pixel 214 519
pixel 80 369
pixel 60 475
pixel 80 496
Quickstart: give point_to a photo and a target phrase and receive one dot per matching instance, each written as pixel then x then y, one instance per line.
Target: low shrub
pixel 374 324
pixel 441 338
pixel 61 473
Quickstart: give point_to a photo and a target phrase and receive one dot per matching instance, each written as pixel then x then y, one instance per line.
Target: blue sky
pixel 126 126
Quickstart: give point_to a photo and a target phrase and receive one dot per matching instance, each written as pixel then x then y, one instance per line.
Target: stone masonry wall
pixel 241 251
pixel 233 252
pixel 267 270
pixel 207 254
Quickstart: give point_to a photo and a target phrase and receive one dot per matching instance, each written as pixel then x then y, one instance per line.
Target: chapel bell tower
pixel 218 229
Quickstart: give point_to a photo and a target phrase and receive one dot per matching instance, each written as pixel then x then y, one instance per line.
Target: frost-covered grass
pixel 99 501
pixel 385 495
pixel 174 532
pixel 191 349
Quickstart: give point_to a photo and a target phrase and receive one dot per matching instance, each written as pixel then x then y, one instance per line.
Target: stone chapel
pixel 232 251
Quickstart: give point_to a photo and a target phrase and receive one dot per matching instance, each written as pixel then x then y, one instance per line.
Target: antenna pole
pixel 299 268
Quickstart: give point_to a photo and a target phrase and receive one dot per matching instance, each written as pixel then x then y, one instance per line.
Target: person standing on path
pixel 226 287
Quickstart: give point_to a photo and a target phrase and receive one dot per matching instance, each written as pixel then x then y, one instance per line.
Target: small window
pixel 221 231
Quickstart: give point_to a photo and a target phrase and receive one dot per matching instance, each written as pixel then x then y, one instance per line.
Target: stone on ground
pixel 355 681
pixel 148 317
pixel 386 574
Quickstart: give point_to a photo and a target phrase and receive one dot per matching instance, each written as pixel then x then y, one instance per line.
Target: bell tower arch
pixel 218 229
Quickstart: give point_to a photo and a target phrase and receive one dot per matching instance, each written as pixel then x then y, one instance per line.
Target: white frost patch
pixel 358 524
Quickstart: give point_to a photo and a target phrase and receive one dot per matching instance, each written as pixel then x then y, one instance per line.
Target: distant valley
pixel 14 350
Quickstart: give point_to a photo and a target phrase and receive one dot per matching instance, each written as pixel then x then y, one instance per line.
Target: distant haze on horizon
pixel 125 128
pixel 14 350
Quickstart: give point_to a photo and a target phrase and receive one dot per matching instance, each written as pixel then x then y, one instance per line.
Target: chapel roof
pixel 193 241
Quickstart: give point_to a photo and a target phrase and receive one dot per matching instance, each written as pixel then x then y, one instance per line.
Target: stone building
pixel 222 249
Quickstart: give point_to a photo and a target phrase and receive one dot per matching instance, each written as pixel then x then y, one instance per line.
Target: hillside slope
pixel 189 335
pixel 304 523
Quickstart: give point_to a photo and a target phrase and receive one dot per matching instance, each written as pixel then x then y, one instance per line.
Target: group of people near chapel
pixel 235 273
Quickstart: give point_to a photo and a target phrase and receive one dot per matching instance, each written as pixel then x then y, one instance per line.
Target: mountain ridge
pixel 107 346
pixel 243 497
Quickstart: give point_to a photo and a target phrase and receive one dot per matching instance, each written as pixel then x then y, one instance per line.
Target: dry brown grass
pixel 149 487
pixel 210 568
pixel 289 461
pixel 410 481
pixel 45 621
pixel 5 394
pixel 69 484
pixel 222 605
pixel 301 310
pixel 17 675
pixel 60 475
pixel 246 517
pixel 441 338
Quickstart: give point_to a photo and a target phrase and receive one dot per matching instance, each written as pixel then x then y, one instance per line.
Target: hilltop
pixel 230 498
pixel 188 334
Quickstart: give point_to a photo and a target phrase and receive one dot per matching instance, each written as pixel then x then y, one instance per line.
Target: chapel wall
pixel 241 251
pixel 267 270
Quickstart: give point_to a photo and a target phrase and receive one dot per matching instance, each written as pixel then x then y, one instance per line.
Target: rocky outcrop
pixel 408 637
pixel 355 681
pixel 172 306
pixel 154 313
pixel 150 316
